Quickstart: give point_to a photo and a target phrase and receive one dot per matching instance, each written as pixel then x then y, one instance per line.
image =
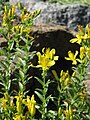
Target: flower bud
pixel 13 10
pixel 9 13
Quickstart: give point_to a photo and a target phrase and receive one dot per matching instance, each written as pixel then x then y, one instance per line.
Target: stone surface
pixel 53 36
pixel 87 85
pixel 69 15
pixel 56 36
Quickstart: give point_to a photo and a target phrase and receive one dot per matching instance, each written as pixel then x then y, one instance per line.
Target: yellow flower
pixel 67 114
pixel 31 105
pixel 4 17
pixel 64 77
pixel 88 31
pixel 70 110
pixel 85 37
pixel 20 6
pixel 12 102
pixel 82 36
pixel 13 10
pixel 9 13
pixel 22 16
pixel 5 9
pixel 47 59
pixel 72 57
pixel 80 28
pixel 59 111
pixel 78 39
pixel 73 74
pixel 82 52
pixel 88 51
pixel 17 28
pixel 4 103
pixel 17 117
pixel 19 103
pixel 33 109
pixel 28 103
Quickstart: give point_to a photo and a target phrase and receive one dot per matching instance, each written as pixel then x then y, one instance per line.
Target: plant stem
pixel 44 96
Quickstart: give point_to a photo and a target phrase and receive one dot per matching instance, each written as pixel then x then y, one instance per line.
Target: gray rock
pixel 55 13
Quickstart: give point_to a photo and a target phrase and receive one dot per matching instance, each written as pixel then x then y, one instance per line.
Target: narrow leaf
pixel 39 80
pixel 40 90
pixel 39 95
pixel 21 74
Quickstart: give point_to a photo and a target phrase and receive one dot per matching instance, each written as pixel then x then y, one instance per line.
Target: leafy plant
pixel 70 99
pixel 16 60
pixel 45 61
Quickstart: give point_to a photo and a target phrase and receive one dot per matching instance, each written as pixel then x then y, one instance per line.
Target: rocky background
pixel 55 13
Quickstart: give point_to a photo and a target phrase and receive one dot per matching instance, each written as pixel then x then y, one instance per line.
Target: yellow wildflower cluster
pixel 64 78
pixel 68 113
pixel 82 38
pixel 47 59
pixel 8 15
pixel 30 104
pixel 27 16
pixel 4 101
pixel 18 106
pixel 72 57
pixel 21 30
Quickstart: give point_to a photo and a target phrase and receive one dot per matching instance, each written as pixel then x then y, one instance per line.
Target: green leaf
pixel 49 98
pixel 2 84
pixel 2 52
pixel 40 90
pixel 47 83
pixel 9 84
pixel 20 86
pixel 3 65
pixel 55 75
pixel 39 95
pixel 26 92
pixel 20 51
pixel 1 93
pixel 23 62
pixel 32 54
pixel 21 73
pixel 24 39
pixel 15 79
pixel 40 81
pixel 11 45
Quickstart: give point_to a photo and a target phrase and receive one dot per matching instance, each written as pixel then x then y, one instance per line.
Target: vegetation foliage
pixel 71 100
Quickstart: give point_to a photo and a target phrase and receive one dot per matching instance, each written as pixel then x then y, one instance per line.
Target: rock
pixel 3 42
pixel 55 13
pixel 53 36
pixel 87 85
pixel 58 37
